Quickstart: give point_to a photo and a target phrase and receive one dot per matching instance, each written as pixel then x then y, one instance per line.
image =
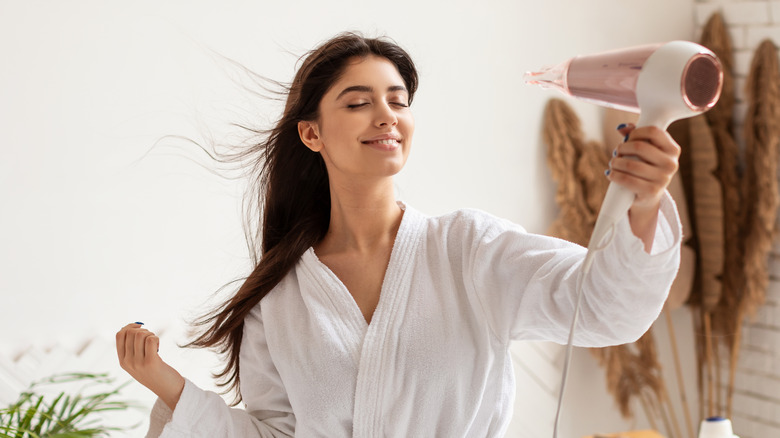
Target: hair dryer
pixel 662 82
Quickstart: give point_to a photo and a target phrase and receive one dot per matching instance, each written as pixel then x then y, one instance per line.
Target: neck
pixel 363 217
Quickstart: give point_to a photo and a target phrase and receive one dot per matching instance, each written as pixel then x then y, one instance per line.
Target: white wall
pixel 95 232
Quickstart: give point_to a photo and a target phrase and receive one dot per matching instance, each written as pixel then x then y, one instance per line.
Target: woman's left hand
pixel 645 164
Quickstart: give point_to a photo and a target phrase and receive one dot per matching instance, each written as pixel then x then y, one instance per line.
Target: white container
pixel 716 427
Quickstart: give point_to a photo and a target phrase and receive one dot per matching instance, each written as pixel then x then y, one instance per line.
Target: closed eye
pixel 358 105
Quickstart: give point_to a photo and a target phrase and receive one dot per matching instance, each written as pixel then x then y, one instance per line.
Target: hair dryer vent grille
pixel 701 82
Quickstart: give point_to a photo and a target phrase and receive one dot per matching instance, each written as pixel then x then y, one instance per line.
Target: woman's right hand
pixel 137 350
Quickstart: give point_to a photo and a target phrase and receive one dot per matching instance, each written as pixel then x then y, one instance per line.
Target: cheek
pixel 337 129
pixel 408 126
pixel 409 118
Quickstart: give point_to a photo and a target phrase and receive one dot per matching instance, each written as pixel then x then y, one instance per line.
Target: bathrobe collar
pixel 371 343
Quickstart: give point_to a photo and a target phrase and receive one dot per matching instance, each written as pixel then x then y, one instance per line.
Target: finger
pixel 659 175
pixel 139 344
pixel 151 348
pixel 656 137
pixel 648 153
pixel 128 333
pixel 636 169
pixel 644 190
pixel 625 128
pixel 641 179
pixel 132 352
pixel 121 335
pixel 131 333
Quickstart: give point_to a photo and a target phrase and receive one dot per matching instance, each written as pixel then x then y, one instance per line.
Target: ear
pixel 310 135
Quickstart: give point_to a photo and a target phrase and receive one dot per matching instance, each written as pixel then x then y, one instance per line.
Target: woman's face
pixel 365 125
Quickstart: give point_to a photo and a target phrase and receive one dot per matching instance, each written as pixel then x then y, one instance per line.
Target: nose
pixel 385 115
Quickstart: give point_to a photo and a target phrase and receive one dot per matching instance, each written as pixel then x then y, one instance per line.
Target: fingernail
pixel 607 172
pixel 625 139
pixel 621 126
pixel 614 152
pixel 138 323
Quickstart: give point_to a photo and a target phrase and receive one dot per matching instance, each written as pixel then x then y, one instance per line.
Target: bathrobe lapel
pixel 378 344
pixel 372 346
pixel 338 304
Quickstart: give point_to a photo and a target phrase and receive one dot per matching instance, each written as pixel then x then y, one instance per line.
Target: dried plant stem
pixel 733 359
pixel 663 414
pixel 678 373
pixel 648 412
pixel 718 377
pixel 708 361
pixel 699 348
pixel 666 401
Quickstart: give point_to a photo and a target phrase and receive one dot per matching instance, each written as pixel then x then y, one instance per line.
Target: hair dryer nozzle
pixel 550 77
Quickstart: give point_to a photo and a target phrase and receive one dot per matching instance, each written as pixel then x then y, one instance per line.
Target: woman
pixel 364 317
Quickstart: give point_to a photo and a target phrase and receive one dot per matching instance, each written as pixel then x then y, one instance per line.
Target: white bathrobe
pixel 434 361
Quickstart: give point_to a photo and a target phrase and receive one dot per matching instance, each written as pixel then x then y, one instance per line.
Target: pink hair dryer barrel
pixel 661 82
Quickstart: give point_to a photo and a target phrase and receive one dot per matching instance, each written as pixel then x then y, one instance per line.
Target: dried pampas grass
pixel 759 192
pixel 632 369
pixel 708 211
pixel 710 163
pixel 734 234
pixel 762 138
pixel 577 167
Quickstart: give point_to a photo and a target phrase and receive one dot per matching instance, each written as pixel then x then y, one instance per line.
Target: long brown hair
pixel 289 189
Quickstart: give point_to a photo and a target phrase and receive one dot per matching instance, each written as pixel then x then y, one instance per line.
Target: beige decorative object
pixel 716 37
pixel 759 191
pixel 708 211
pixel 578 168
pixel 683 283
pixel 761 199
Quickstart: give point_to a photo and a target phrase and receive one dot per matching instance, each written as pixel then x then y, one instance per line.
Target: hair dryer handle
pixel 618 198
pixel 615 205
pixel 657 117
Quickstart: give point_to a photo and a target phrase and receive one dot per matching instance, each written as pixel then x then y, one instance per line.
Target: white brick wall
pixel 746 12
pixel 757 384
pixel 756 34
pixel 774 7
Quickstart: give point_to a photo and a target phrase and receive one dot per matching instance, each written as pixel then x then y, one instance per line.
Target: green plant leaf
pixel 29 415
pixel 69 414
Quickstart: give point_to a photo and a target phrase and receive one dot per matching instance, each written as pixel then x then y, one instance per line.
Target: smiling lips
pixel 385 143
pixel 389 141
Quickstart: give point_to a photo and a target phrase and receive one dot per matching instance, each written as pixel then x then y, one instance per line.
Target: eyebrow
pixel 367 89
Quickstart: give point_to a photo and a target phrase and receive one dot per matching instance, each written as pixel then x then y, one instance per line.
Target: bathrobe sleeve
pixel 527 283
pixel 205 414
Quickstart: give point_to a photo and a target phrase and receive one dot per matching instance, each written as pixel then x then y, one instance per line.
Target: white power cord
pixel 586 265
